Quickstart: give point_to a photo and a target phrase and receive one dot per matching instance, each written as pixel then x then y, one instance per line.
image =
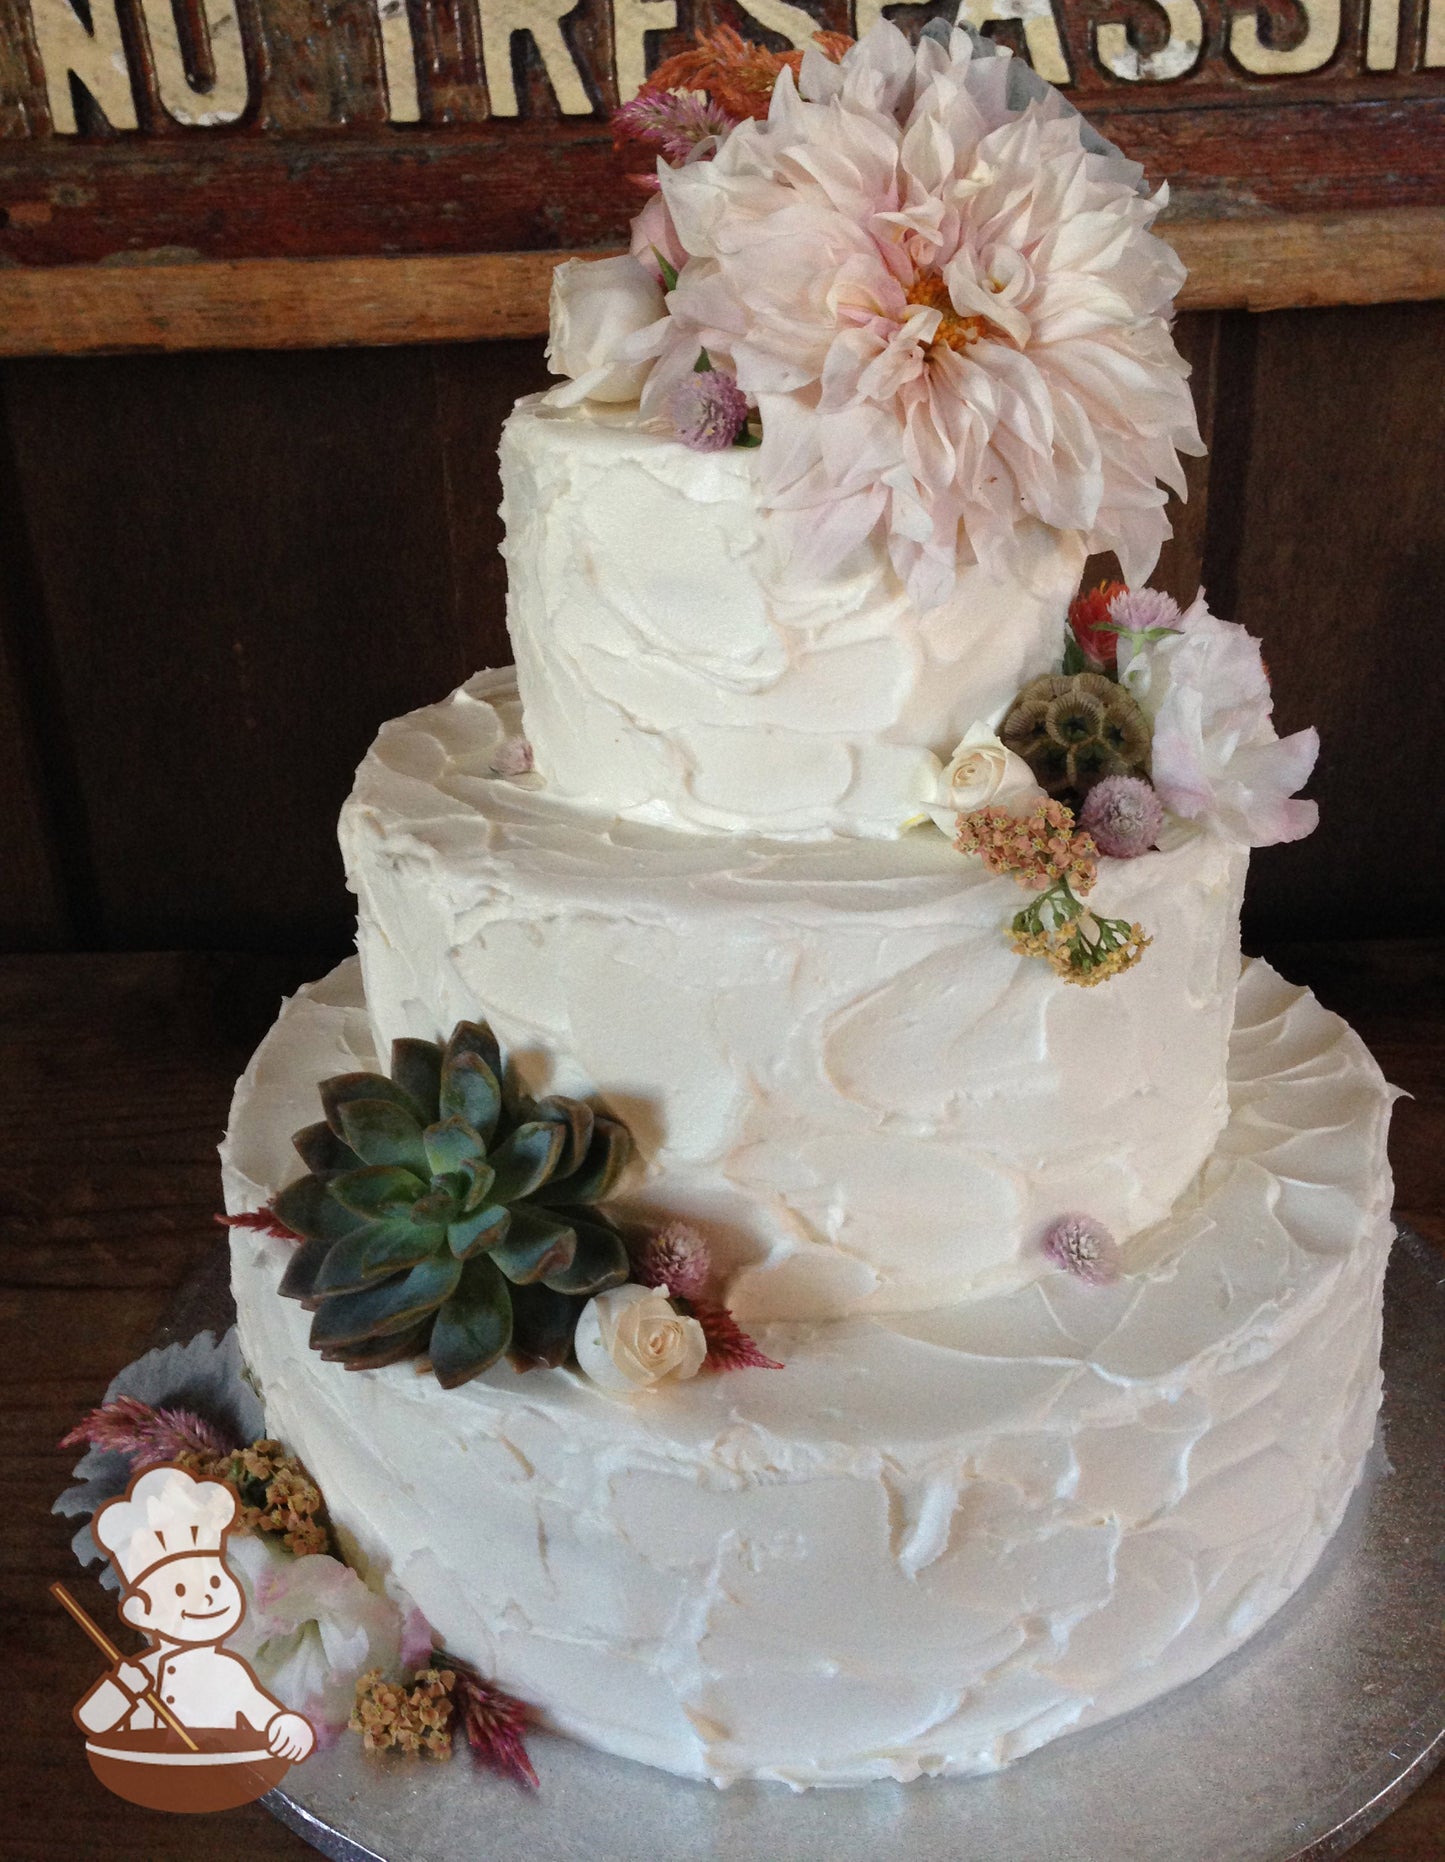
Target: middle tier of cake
pixel 831 1058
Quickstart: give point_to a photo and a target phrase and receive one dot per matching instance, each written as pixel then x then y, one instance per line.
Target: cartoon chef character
pixel 166 1539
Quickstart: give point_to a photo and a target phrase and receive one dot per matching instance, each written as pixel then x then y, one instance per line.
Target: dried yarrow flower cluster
pixel 277 1494
pixel 415 1720
pixel 419 1721
pixel 1046 854
pixel 1038 849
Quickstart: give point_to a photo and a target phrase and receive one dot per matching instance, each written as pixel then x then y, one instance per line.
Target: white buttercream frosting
pixel 673 669
pixel 830 1057
pixel 933 1542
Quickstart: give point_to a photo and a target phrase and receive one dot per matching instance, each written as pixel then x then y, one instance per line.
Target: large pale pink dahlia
pixel 951 314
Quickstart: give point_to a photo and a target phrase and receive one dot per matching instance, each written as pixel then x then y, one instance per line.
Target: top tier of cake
pixel 673 671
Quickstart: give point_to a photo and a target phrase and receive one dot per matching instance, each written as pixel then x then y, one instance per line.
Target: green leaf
pixel 479 1178
pixel 343 1271
pixel 475 1038
pixel 544 1324
pixel 538 1245
pixel 299 1280
pixel 416 1067
pixel 372 1353
pixel 441 1204
pixel 379 1189
pixel 382 1132
pixel 1075 658
pixel 308 1208
pixel 575 1117
pixel 526 1159
pixel 451 1145
pixel 746 437
pixel 322 1152
pixel 599 1263
pixel 474 1327
pixel 668 270
pixel 474 1234
pixel 401 1242
pixel 471 1091
pixel 606 1159
pixel 703 363
pixel 344 1087
pixel 392 1305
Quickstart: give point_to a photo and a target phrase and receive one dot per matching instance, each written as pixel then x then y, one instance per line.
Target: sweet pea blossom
pixel 597 306
pixel 312 1628
pixel 1216 756
pixel 949 310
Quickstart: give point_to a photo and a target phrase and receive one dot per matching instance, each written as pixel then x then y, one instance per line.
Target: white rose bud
pixel 596 305
pixel 631 1338
pixel 980 772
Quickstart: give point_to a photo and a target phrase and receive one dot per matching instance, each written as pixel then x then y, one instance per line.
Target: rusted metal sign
pixel 223 129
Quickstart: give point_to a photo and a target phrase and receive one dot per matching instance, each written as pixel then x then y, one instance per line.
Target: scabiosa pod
pixel 1084 1248
pixel 1123 816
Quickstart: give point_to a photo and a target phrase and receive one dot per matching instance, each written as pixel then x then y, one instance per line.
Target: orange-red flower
pixel 1088 615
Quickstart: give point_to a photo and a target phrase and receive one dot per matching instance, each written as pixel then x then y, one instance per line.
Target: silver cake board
pixel 1288 1751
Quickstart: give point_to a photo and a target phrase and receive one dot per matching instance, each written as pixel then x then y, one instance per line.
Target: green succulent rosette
pixel 446 1216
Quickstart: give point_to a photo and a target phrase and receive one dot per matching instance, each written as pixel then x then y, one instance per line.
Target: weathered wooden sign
pixel 246 128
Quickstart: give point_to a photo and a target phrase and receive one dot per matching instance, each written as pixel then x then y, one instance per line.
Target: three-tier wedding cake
pixel 828 930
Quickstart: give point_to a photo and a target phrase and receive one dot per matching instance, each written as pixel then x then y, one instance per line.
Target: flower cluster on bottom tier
pixel 937 1540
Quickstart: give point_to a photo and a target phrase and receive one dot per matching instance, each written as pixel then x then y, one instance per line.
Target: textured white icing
pixel 931 1543
pixel 828 1053
pixel 674 671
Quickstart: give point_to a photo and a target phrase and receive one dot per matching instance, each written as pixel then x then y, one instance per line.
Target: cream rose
pixel 981 771
pixel 597 304
pixel 631 1338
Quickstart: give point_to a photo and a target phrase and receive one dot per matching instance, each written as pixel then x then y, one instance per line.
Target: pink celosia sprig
pixel 263 1221
pixel 675 1256
pixel 728 1346
pixel 495 1723
pixel 1085 1248
pixel 674 123
pixel 148 1436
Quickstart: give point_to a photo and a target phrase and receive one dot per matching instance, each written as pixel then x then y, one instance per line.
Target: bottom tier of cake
pixel 929 1544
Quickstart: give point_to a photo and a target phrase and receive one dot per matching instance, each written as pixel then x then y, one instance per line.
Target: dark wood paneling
pixel 244 564
pixel 32 911
pixel 248 564
pixel 1337 561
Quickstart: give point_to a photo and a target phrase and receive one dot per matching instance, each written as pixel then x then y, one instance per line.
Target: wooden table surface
pixel 115 1075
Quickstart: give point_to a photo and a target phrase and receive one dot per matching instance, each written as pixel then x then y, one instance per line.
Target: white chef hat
pixel 166 1514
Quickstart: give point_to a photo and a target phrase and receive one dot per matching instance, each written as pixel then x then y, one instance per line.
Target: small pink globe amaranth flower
pixel 674 1256
pixel 1123 815
pixel 1139 609
pixel 709 410
pixel 1085 1247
